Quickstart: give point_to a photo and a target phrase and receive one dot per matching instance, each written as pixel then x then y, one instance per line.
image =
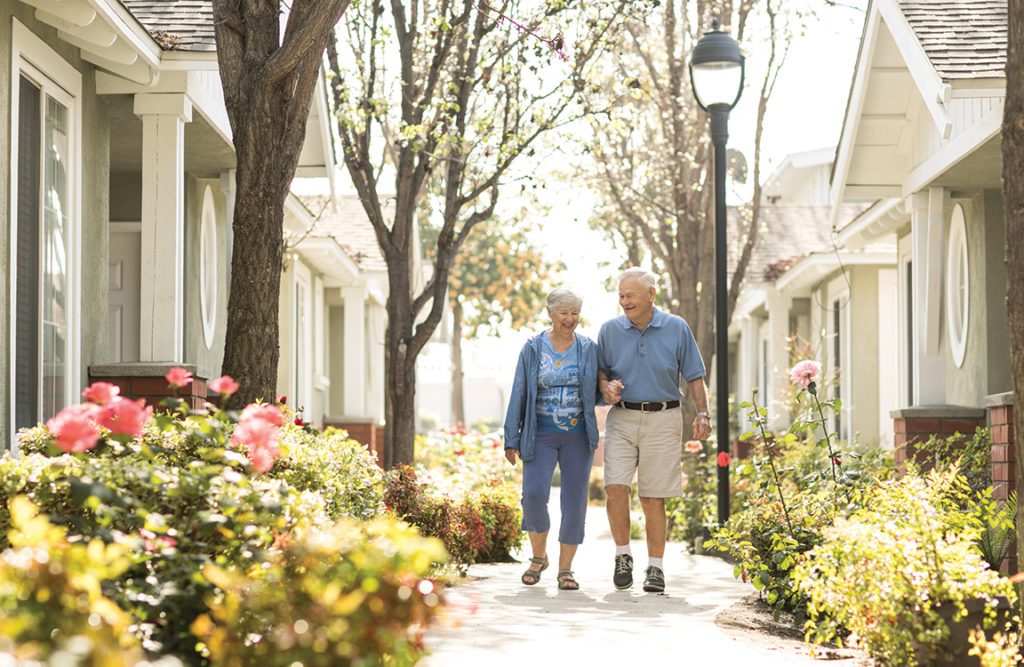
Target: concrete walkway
pixel 495 620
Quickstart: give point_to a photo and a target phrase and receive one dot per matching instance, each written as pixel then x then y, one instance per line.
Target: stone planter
pixel 953 652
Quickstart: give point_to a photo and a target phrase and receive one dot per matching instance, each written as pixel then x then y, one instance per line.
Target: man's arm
pixel 611 390
pixel 699 394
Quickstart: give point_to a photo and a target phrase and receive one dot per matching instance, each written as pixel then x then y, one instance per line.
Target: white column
pixel 162 316
pixel 778 358
pixel 927 238
pixel 355 350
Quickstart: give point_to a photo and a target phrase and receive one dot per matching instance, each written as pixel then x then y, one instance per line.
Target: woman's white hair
pixel 564 297
pixel 645 277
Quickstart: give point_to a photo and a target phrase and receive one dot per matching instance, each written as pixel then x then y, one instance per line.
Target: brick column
pixel 1004 458
pixel 146 380
pixel 917 424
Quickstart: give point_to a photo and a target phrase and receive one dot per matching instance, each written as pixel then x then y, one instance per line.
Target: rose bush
pixel 191 489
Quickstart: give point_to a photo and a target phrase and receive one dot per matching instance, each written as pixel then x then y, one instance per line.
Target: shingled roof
pixel 177 25
pixel 346 223
pixel 787 235
pixel 964 39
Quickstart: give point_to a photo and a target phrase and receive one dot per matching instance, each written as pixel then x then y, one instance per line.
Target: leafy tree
pixel 498 280
pixel 1013 197
pixel 268 81
pixel 438 99
pixel 652 154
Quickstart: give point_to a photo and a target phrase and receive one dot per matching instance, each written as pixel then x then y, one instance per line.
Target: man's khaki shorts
pixel 648 445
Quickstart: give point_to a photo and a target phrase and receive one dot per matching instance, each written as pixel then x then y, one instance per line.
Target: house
pixel 796 298
pixel 908 309
pixel 117 182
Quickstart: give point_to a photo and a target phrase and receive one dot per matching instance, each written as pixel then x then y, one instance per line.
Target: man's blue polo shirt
pixel 650 362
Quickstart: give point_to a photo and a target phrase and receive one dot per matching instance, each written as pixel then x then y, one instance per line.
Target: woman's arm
pixel 516 404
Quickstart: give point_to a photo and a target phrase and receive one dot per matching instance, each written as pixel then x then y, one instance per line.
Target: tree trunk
pixel 399 370
pixel 251 351
pixel 458 396
pixel 1013 204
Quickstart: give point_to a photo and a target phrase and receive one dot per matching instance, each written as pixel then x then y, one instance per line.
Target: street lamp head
pixel 716 70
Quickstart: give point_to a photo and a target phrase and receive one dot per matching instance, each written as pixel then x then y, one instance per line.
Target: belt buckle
pixel 644 404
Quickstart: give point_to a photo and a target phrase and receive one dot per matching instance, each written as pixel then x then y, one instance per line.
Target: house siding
pixel 964 112
pixel 997 330
pixel 208 360
pixel 967 385
pixel 864 342
pixel 94 196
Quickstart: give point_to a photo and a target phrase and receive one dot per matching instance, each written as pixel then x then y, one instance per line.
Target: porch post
pixel 928 234
pixel 778 359
pixel 355 350
pixel 376 351
pixel 161 317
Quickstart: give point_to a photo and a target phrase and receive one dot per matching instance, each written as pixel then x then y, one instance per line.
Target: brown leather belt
pixel 649 406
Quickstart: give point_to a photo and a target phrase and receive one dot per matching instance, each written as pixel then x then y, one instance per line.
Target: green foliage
pixel 502 516
pixel 970 453
pixel 184 498
pixel 457 461
pixel 998 527
pixel 888 571
pixel 342 596
pixel 51 599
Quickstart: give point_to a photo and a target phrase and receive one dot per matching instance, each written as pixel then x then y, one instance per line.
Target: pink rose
pixel 101 393
pixel 262 458
pixel 178 377
pixel 125 417
pixel 263 412
pixel 225 385
pixel 693 446
pixel 74 428
pixel 255 433
pixel 804 373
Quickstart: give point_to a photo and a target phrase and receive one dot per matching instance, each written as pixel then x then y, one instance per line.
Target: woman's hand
pixel 612 391
pixel 511 455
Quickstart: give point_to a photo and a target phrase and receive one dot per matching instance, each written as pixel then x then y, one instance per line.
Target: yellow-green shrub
pixel 353 594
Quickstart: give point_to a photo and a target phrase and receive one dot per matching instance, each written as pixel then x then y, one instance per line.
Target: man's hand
pixel 612 391
pixel 701 427
pixel 511 455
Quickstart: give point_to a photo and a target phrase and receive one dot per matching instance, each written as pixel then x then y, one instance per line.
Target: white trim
pixel 955 272
pixel 208 307
pixel 907 350
pixel 934 91
pixel 57 78
pixel 813 268
pixel 956 150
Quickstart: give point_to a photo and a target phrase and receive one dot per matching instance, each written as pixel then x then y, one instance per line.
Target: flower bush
pixel 191 489
pixel 352 594
pixel 887 572
pixel 51 601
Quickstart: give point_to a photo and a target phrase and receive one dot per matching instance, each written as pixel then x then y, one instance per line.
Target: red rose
pixel 724 459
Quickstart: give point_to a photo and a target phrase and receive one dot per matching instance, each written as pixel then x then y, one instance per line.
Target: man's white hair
pixel 646 278
pixel 564 297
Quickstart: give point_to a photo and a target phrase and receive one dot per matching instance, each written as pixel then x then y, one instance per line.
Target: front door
pixel 124 294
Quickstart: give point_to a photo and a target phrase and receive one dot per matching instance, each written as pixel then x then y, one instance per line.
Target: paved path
pixel 498 621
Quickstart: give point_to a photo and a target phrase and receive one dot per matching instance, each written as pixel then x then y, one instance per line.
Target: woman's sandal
pixel 566 581
pixel 532 576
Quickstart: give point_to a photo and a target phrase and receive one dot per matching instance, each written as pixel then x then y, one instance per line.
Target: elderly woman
pixel 551 420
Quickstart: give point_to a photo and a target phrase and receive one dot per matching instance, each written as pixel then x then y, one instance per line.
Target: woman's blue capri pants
pixel 572 453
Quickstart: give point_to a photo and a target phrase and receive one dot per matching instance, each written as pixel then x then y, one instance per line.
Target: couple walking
pixel 635 366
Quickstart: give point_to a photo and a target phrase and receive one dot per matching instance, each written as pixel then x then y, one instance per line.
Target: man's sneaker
pixel 654 580
pixel 623 578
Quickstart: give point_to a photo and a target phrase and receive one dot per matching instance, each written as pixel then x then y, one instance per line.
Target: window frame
pixel 207 273
pixel 957 249
pixel 33 59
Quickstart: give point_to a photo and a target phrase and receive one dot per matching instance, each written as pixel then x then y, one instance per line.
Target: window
pixel 44 231
pixel 957 285
pixel 208 266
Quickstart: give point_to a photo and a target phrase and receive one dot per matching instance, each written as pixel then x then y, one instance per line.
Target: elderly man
pixel 642 355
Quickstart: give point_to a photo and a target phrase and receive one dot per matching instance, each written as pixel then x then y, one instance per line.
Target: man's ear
pixel 651 292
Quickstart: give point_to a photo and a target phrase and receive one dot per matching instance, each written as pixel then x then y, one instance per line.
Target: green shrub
pixel 51 602
pixel 502 516
pixel 887 571
pixel 353 594
pixel 970 453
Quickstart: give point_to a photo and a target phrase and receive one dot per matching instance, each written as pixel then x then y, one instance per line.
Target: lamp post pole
pixel 716 75
pixel 719 137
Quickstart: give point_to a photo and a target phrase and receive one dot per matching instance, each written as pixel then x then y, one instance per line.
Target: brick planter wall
pixel 366 431
pixel 917 424
pixel 146 380
pixel 1004 459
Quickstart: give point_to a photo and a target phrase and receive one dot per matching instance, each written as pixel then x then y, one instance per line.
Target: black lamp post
pixel 716 74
